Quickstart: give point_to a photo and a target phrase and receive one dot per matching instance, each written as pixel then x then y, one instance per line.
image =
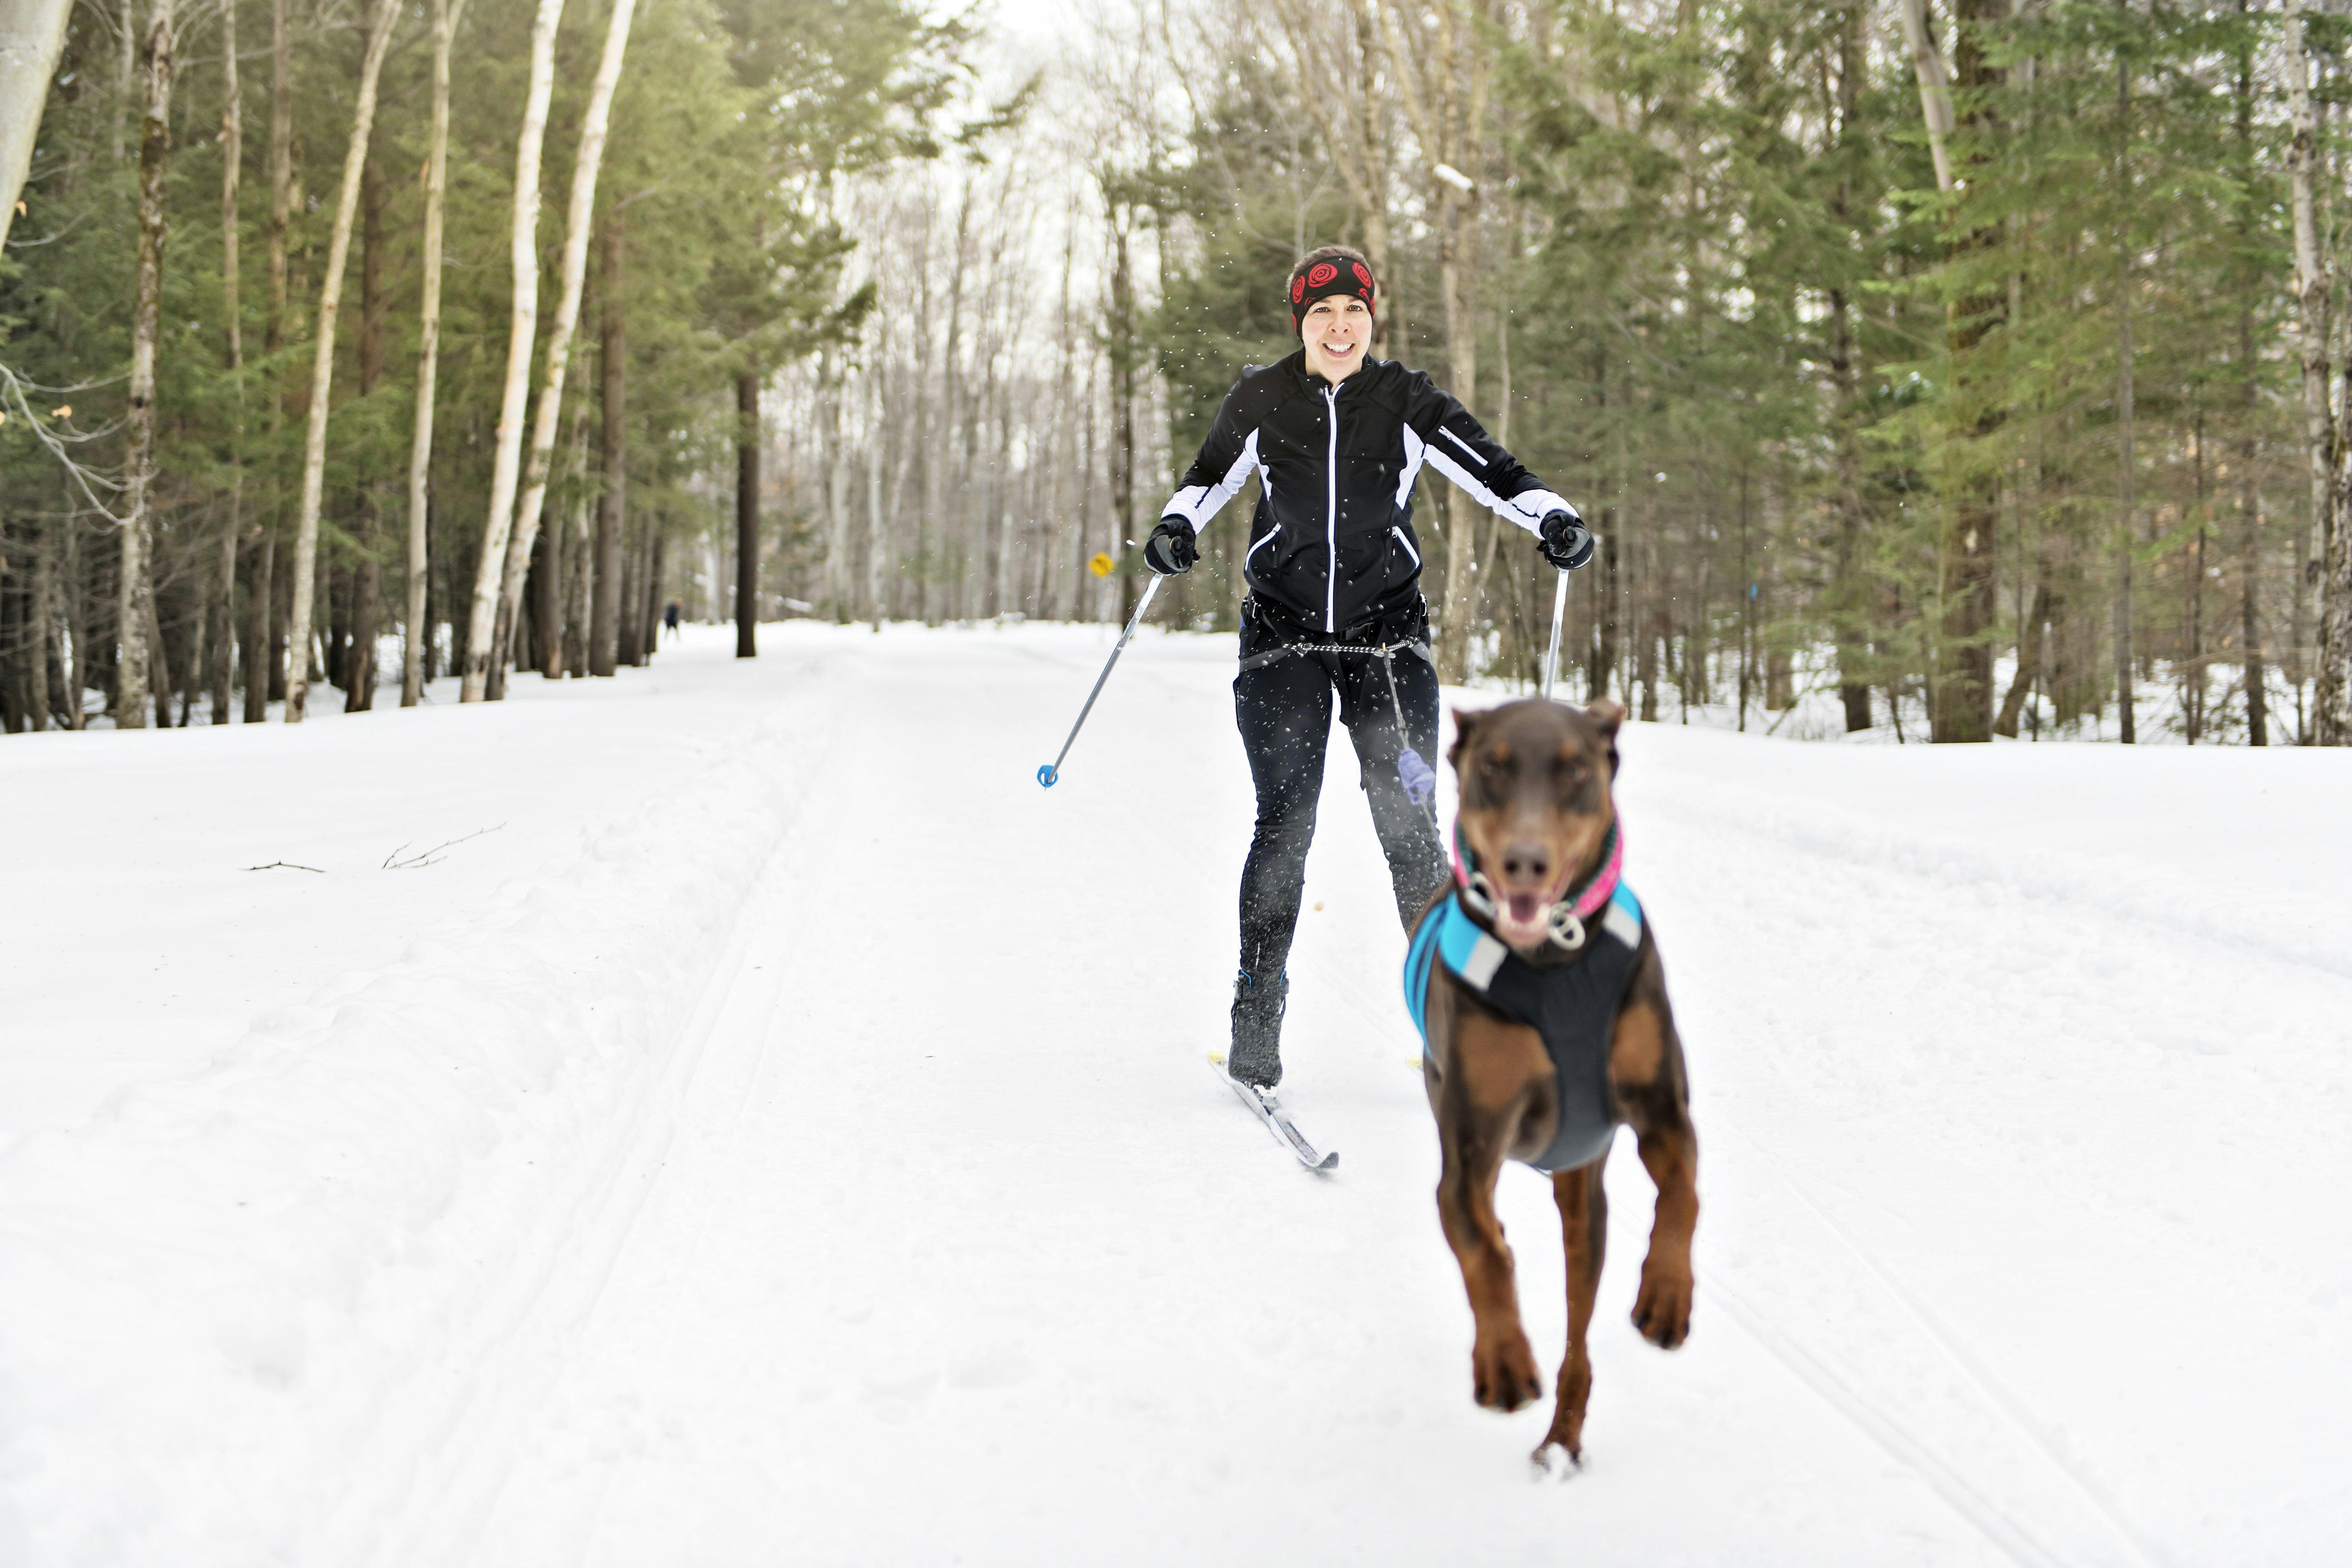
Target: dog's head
pixel 1534 780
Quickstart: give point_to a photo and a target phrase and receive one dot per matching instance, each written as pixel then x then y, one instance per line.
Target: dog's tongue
pixel 1524 908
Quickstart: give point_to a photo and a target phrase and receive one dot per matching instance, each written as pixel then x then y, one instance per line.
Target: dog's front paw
pixel 1662 1310
pixel 1502 1372
pixel 1565 1441
pixel 1556 1456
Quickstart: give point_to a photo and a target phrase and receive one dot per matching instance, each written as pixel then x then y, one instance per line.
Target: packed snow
pixel 730 1113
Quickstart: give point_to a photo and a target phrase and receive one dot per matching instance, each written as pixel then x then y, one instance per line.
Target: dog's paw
pixel 1557 1456
pixel 1662 1310
pixel 1503 1372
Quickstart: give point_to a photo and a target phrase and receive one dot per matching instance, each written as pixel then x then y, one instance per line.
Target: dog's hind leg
pixel 1584 1227
pixel 1645 1068
pixel 1481 1106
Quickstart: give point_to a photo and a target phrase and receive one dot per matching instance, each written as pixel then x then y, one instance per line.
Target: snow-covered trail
pixel 831 1172
pixel 961 1255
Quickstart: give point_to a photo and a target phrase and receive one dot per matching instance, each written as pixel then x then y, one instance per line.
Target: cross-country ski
pixel 1262 1105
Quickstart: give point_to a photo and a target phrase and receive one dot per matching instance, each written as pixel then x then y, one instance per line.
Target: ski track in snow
pixel 787 1148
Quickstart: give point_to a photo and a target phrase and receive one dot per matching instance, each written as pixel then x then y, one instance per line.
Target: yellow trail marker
pixel 1101 564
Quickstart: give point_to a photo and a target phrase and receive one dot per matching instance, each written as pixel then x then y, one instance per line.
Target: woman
pixel 1337 440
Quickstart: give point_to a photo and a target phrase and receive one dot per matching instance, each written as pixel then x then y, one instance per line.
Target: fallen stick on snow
pixel 433 857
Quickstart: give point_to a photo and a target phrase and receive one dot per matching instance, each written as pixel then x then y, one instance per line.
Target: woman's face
pixel 1335 331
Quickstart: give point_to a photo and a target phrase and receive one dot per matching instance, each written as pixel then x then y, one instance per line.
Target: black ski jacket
pixel 1332 541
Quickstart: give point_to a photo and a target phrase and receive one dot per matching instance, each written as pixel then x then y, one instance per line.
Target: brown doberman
pixel 1542 1034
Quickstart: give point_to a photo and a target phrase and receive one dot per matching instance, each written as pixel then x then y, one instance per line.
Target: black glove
pixel 1567 544
pixel 1172 548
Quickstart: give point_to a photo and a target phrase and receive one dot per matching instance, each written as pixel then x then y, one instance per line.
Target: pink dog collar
pixel 1587 901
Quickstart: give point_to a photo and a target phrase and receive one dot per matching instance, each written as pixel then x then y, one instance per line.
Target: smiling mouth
pixel 1339 351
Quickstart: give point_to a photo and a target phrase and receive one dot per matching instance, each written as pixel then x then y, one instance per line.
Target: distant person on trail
pixel 1338 440
pixel 670 615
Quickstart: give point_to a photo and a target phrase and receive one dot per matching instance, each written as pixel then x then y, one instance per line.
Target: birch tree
pixel 579 221
pixel 32 33
pixel 2310 284
pixel 137 583
pixel 323 372
pixel 445 16
pixel 522 322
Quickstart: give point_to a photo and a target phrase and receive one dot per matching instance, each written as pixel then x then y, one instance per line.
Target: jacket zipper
pixel 1331 511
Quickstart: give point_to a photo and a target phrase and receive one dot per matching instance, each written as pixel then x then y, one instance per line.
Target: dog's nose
pixel 1526 863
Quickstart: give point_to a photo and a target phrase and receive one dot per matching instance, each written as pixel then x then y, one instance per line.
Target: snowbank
pixel 259 1307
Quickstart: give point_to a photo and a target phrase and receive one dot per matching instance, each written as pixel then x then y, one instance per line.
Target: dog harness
pixel 1572 1004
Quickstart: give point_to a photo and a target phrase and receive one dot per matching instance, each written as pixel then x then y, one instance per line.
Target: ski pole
pixel 1052 770
pixel 1552 655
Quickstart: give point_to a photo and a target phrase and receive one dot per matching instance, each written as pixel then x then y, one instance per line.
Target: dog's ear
pixel 1606 717
pixel 1465 720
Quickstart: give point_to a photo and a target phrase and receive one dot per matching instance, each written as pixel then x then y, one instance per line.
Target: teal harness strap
pixel 1572 1005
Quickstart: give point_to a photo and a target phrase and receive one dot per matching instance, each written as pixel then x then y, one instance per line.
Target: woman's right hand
pixel 1172 549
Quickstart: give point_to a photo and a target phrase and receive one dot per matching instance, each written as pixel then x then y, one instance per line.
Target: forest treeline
pixel 1965 369
pixel 323 321
pixel 1955 368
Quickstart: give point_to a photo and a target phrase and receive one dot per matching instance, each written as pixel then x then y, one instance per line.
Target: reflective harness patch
pixel 1573 1005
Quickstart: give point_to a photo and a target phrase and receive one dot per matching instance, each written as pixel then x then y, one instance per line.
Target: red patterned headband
pixel 1333 275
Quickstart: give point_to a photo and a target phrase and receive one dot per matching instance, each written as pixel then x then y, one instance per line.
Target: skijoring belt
pixel 1573 1005
pixel 1377 651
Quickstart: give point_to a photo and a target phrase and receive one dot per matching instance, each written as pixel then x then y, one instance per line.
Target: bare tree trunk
pixel 223 636
pixel 74 593
pixel 877 530
pixel 37 627
pixel 1961 708
pixel 2249 565
pixel 581 551
pixel 2126 533
pixel 429 356
pixel 1122 410
pixel 522 323
pixel 359 663
pixel 579 221
pixel 322 373
pixel 1935 88
pixel 604 618
pixel 747 514
pixel 32 34
pixel 1851 582
pixel 649 595
pixel 262 672
pixel 2332 698
pixel 159 668
pixel 136 613
pixel 2311 289
pixel 1455 234
pixel 2250 503
pixel 830 376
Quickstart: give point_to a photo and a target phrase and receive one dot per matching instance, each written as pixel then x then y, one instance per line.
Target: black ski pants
pixel 1284 710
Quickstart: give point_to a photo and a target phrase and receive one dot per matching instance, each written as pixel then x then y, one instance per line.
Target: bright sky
pixel 1033 21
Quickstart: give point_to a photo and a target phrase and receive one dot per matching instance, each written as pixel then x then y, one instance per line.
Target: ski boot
pixel 1256 1055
